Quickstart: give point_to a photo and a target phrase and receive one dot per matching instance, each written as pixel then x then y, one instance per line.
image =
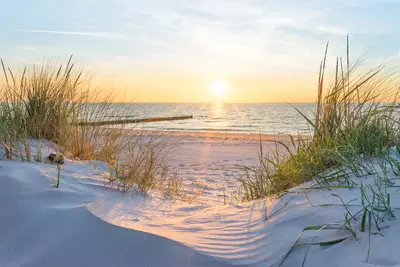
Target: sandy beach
pixel 215 160
pixel 82 223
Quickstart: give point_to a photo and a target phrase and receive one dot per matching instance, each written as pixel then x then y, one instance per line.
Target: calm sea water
pixel 241 118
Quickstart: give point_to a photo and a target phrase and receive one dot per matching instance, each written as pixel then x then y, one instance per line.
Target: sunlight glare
pixel 218 88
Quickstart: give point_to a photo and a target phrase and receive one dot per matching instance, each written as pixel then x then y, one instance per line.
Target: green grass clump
pixel 355 117
pixel 365 215
pixel 143 166
pixel 47 102
pixel 41 101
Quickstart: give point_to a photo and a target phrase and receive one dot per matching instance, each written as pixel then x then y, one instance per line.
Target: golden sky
pixel 178 51
pixel 230 89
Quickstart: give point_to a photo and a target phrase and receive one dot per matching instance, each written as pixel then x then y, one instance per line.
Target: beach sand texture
pixel 82 223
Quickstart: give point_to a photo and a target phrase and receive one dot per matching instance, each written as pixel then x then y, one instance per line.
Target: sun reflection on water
pixel 217 116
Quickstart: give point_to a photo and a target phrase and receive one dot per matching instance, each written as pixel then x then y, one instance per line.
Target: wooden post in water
pixel 113 122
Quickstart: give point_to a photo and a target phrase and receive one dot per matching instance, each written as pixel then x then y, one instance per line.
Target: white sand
pixel 84 224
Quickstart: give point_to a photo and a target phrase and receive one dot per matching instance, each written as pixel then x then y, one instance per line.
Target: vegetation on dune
pixel 356 116
pixel 145 167
pixel 54 102
pixel 355 134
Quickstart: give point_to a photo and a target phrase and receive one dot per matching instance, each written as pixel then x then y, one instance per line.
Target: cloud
pixel 79 33
pixel 210 36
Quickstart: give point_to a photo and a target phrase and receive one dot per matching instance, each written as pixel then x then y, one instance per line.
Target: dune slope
pixel 43 226
pixel 82 223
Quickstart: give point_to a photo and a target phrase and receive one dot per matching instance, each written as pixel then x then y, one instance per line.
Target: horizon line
pixel 211 102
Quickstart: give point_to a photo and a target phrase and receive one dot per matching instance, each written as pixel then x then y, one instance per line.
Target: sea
pixel 266 118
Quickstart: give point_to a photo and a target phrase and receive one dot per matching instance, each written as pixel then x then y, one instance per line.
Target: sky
pixel 181 50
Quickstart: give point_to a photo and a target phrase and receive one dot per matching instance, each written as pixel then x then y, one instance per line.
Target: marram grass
pixel 354 129
pixel 50 102
pixel 356 115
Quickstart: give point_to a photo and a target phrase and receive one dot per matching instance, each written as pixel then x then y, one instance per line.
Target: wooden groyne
pixel 126 121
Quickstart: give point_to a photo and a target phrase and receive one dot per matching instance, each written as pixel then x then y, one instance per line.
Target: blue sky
pixel 208 38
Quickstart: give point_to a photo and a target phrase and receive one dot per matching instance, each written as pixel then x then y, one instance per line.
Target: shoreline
pixel 250 137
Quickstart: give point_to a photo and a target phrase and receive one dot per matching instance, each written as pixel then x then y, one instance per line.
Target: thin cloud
pixel 90 34
pixel 205 37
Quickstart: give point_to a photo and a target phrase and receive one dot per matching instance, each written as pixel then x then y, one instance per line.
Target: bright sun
pixel 218 88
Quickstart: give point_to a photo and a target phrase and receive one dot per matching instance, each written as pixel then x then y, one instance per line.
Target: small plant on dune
pixel 142 167
pixel 57 184
pixel 172 184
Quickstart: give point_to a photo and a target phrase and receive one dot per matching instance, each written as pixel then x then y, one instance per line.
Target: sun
pixel 218 88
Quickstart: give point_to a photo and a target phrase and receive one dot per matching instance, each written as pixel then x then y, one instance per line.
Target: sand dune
pixel 42 226
pixel 82 223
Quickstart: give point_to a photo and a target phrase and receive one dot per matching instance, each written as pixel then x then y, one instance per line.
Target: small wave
pixel 245 126
pixel 204 129
pixel 243 118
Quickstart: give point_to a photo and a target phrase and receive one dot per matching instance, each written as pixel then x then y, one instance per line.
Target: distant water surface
pixel 220 117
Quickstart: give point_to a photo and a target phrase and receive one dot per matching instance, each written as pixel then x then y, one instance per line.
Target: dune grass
pixel 50 102
pixel 143 167
pixel 354 132
pixel 356 116
pixel 364 214
pixel 42 99
pixel 39 104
